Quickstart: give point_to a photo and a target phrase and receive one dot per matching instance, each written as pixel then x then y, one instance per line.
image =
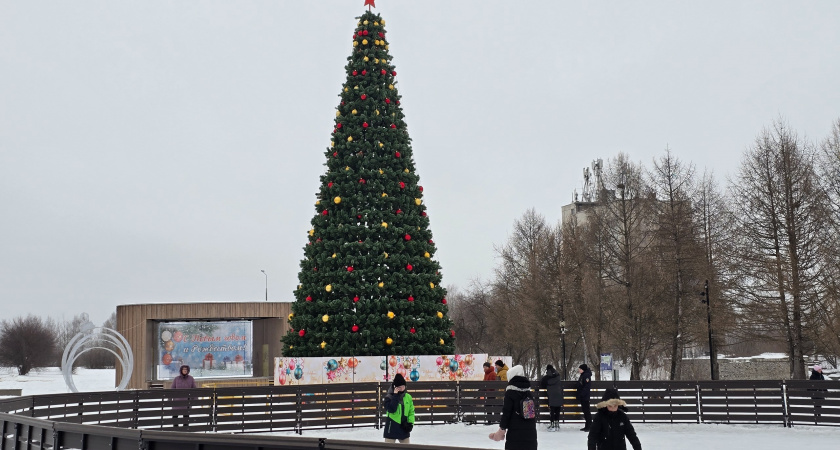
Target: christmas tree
pixel 369 284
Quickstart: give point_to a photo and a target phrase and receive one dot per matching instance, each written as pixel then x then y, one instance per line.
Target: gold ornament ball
pixel 366 59
pixel 346 89
pixel 325 318
pixel 384 194
pixel 384 224
pixel 406 170
pixel 432 285
pixel 337 200
pixel 381 145
pixel 389 341
pixel 381 284
pixel 333 255
pixel 407 364
pixel 338 113
pixel 427 255
pixel 317 202
pixel 312 232
pixel 354 112
pixel 365 22
pixel 329 288
pixel 355 43
pixel 391 86
pixel 417 201
pixel 386 255
pixel 346 167
pixel 291 315
pixel 323 344
pixel 349 138
pixel 391 314
pixel 332 143
pixel 382 22
pixel 440 315
pixel 364 41
pixel 380 170
pixel 441 341
pixel 377 112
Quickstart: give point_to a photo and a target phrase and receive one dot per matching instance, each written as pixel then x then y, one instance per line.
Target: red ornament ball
pixel 412 330
pixel 394 73
pixel 381 34
pixel 388 101
pixel 325 212
pixel 423 213
pixel 452 333
pixel 359 216
pixel 402 185
pixel 398 102
pixel 365 125
pixel 431 242
pixel 350 268
pixel 338 125
pixel 443 300
pixel 356 299
pixel 355 328
pixel 335 154
pixel 408 267
pixel 308 298
pixel 364 72
pixel 421 188
pixel 355 73
pixel 383 71
pixel 330 183
pixel 362 180
pixel 393 126
pixel 302 333
pixel 407 237
pixel 365 32
pixel 397 154
pixel 399 211
pixel 411 298
pixel 364 96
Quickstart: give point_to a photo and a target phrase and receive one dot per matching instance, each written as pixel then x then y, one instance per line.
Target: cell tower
pixel 591 187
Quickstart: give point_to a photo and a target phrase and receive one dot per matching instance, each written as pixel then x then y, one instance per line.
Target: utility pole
pixel 712 350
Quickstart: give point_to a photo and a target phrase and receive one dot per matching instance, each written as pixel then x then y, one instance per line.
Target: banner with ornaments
pixel 364 369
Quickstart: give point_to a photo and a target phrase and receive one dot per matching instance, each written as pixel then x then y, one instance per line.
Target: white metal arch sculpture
pixel 79 345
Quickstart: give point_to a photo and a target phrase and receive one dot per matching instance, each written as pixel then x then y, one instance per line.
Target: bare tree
pixel 26 343
pixel 781 212
pixel 675 242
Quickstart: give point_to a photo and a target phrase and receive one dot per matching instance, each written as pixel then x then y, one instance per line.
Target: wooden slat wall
pixel 136 323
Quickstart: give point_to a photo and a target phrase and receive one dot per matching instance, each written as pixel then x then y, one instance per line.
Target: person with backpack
pixel 518 427
pixel 400 409
pixel 611 426
pixel 553 386
pixel 584 382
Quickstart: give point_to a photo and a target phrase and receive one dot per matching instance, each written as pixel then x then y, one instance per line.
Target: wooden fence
pixel 263 409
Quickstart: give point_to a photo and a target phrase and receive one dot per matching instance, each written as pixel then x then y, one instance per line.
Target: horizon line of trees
pixel 624 275
pixel 32 342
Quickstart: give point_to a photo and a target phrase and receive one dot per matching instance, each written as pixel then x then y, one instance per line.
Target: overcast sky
pixel 167 151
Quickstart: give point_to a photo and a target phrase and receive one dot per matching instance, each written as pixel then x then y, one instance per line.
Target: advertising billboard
pixel 211 349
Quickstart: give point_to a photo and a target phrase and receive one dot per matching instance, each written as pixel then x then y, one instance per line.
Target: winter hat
pixel 609 394
pixel 399 380
pixel 500 363
pixel 516 371
pixel 584 367
pixel 549 368
pixel 817 368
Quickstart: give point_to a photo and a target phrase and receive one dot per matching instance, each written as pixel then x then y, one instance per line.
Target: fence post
pixel 699 407
pixel 299 412
pixel 785 409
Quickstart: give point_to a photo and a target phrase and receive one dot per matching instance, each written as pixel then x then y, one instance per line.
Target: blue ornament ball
pixel 332 365
pixel 298 373
pixel 414 375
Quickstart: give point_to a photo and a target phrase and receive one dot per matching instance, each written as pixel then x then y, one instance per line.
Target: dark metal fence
pixel 124 419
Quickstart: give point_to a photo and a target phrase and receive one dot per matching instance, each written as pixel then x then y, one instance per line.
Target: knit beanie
pixel 399 380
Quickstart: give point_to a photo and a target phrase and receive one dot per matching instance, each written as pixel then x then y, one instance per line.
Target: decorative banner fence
pixel 342 405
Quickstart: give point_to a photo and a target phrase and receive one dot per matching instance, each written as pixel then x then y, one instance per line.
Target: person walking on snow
pixel 553 385
pixel 400 408
pixel 611 426
pixel 517 432
pixel 583 384
pixel 183 381
pixel 501 371
pixel 817 375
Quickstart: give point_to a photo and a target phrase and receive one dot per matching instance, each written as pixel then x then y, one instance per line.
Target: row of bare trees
pixel 624 273
pixel 32 342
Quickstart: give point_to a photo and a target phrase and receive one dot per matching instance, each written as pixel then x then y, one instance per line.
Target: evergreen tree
pixel 368 282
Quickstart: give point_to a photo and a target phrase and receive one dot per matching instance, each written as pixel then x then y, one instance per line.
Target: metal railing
pixel 159 418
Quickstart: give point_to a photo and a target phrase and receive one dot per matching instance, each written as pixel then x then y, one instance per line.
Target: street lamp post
pixel 712 350
pixel 563 348
pixel 266 284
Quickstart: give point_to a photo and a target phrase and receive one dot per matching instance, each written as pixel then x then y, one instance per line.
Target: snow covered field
pixel 653 436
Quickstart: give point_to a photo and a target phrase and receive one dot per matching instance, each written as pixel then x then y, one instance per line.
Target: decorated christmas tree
pixel 369 283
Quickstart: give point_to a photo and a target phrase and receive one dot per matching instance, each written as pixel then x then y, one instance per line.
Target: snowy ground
pixel 658 436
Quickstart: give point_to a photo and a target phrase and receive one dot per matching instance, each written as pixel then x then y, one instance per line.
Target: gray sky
pixel 157 151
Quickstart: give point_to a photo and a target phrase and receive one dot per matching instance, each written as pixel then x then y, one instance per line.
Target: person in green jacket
pixel 400 410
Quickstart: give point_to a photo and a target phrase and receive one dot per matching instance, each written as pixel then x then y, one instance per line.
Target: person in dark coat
pixel 583 384
pixel 517 432
pixel 183 381
pixel 553 386
pixel 400 409
pixel 817 375
pixel 610 427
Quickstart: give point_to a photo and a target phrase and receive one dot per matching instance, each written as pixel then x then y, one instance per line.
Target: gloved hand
pixel 498 435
